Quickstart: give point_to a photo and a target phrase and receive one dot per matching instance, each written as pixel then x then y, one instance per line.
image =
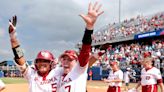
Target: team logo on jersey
pixel 66 81
pixel 45 54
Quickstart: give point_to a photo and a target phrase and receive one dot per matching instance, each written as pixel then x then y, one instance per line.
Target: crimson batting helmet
pixel 71 54
pixel 45 55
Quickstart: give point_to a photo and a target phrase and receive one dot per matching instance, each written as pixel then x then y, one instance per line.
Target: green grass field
pixel 9 80
pixel 90 84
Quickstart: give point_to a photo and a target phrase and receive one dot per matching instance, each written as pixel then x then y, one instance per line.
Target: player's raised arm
pixel 94 57
pixel 17 51
pixel 90 19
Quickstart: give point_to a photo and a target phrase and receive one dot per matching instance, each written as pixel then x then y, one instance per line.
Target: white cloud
pixel 6 55
pixel 55 24
pixel 2 32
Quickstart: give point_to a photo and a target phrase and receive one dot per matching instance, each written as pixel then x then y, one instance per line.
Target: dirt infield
pixel 16 88
pixel 100 86
pixel 92 86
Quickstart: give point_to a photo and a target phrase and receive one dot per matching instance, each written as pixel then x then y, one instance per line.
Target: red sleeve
pixel 159 81
pixel 84 54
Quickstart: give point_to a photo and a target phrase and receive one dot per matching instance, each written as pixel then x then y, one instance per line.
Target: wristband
pixel 18 53
pixel 87 39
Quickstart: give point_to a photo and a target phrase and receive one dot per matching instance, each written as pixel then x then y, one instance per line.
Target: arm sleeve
pixel 158 76
pixel 121 75
pixel 86 48
pixel 28 73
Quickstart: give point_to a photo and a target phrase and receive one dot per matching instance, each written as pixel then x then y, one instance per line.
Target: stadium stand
pixel 128 41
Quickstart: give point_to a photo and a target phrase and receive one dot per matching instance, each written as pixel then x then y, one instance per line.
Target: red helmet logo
pixel 46 55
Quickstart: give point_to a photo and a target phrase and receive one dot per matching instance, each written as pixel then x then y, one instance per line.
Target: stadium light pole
pixel 119 12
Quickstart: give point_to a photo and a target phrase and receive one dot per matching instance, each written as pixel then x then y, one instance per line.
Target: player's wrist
pixel 12 27
pixel 87 39
pixel 89 27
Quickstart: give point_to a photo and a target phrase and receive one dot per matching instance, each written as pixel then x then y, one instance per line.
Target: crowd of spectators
pixel 130 27
pixel 130 55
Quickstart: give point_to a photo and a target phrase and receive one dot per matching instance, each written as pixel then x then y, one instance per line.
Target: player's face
pixel 145 64
pixel 43 66
pixel 113 67
pixel 67 64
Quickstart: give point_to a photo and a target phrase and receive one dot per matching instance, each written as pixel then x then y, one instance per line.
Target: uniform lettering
pixel 48 81
pixel 66 81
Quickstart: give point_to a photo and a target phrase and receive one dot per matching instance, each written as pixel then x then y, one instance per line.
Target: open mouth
pixel 66 66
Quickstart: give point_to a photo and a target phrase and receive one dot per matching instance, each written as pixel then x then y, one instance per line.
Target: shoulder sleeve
pixel 142 71
pixel 28 72
pixel 109 74
pixel 84 55
pixel 158 76
pixel 86 48
pixel 78 69
pixel 120 75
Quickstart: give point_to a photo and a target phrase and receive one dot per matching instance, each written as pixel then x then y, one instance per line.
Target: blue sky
pixel 54 25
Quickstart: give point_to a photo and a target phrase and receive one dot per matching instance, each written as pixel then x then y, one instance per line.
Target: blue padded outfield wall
pixel 96 73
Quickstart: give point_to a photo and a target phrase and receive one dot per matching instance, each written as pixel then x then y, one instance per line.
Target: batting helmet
pixel 45 55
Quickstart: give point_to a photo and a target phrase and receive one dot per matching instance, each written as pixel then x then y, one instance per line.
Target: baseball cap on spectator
pixel 147 54
pixel 114 63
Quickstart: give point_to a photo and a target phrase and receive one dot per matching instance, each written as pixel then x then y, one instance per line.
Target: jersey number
pixel 147 77
pixel 54 87
pixel 68 88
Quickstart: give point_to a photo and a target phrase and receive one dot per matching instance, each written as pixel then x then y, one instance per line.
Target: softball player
pixel 115 78
pixel 44 78
pixel 150 77
pixel 74 75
